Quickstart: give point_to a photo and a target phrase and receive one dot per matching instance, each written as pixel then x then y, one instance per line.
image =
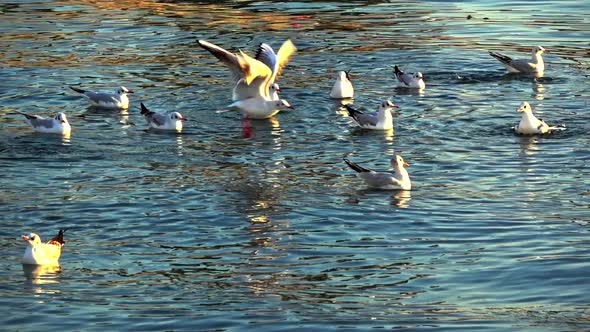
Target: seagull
pixel 118 99
pixel 253 78
pixel 342 88
pixel 533 66
pixel 380 120
pixel 529 124
pixel 57 125
pixel 385 180
pixel 163 121
pixel 38 253
pixel 409 80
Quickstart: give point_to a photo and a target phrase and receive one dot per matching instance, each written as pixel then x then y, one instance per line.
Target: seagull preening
pixel 254 77
pixel 116 100
pixel 533 66
pixel 163 121
pixel 342 88
pixel 380 120
pixel 38 253
pixel 57 125
pixel 385 180
pixel 409 80
pixel 529 124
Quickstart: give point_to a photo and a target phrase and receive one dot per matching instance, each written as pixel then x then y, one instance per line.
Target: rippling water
pixel 208 230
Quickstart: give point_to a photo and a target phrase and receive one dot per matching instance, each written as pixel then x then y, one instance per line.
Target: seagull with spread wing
pixel 254 77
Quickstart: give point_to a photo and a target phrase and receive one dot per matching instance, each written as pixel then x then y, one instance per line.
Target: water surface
pixel 209 230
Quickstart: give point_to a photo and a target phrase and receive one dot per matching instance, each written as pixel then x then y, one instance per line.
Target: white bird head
pixel 387 105
pixel 123 90
pixel 538 50
pixel 419 76
pixel 32 238
pixel 282 104
pixel 61 117
pixel 398 161
pixel 524 107
pixel 275 87
pixel 177 116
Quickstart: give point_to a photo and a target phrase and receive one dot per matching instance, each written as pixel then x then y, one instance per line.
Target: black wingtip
pixel 501 57
pixel 144 110
pixel 59 238
pixel 258 52
pixel 347 72
pixel 396 70
pixel 30 117
pixel 354 166
pixel 77 90
pixel 351 110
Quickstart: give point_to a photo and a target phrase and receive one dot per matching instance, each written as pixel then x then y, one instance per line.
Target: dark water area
pixel 210 230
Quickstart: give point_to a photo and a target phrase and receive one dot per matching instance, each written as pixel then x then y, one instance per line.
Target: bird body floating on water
pixel 400 179
pixel 38 253
pixel 117 100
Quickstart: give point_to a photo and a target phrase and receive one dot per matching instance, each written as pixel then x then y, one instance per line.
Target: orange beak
pixel 26 238
pixel 406 164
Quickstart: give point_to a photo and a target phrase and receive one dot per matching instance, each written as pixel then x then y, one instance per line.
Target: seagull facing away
pixel 409 80
pixel 163 121
pixel 115 100
pixel 533 66
pixel 253 78
pixel 384 180
pixel 57 125
pixel 380 120
pixel 342 88
pixel 38 253
pixel 529 124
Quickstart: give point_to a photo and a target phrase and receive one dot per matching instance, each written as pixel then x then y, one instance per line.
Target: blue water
pixel 209 230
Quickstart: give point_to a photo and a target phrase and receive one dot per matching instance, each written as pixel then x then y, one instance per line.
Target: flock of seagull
pixel 255 93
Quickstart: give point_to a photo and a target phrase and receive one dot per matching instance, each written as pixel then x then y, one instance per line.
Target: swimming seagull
pixel 253 78
pixel 385 180
pixel 533 66
pixel 163 121
pixel 38 253
pixel 380 120
pixel 529 124
pixel 342 88
pixel 57 125
pixel 409 80
pixel 115 100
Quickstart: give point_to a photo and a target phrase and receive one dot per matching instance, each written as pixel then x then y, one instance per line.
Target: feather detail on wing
pixel 284 55
pixel 252 68
pixel 30 117
pixel 52 251
pixel 356 166
pixel 229 59
pixel 501 57
pixel 267 55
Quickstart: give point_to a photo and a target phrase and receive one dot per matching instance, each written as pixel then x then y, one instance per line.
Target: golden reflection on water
pixel 39 277
pixel 401 198
pixel 539 90
pixel 528 145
